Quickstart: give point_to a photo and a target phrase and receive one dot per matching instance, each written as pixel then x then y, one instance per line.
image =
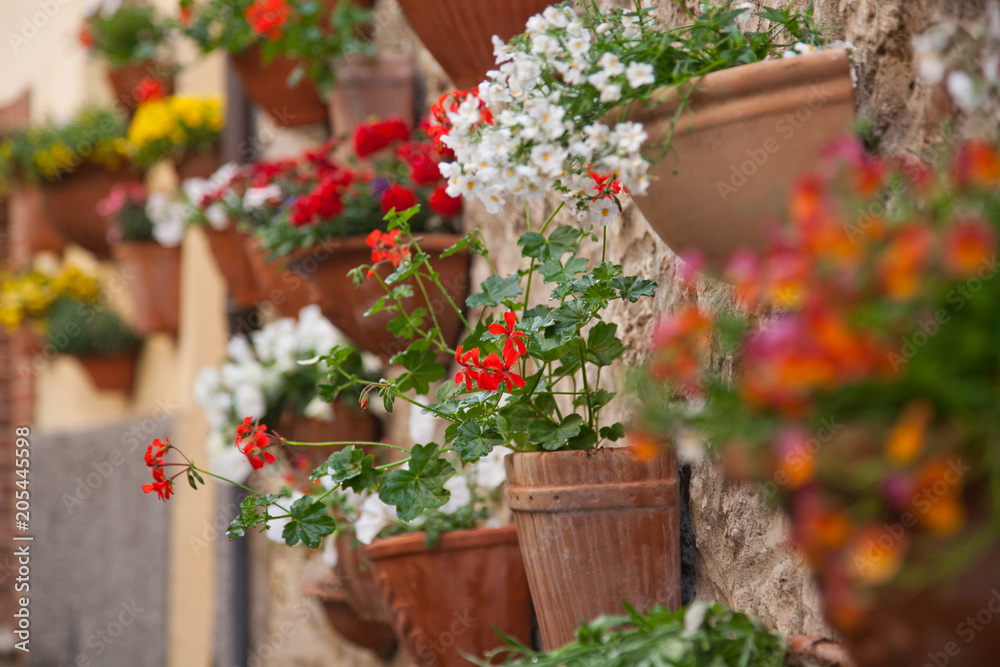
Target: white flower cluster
pixel 195 190
pixel 254 377
pixel 532 146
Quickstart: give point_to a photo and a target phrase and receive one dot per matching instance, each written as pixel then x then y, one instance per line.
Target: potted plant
pixel 281 49
pixel 183 129
pixel 459 33
pixel 130 37
pixel 323 213
pixel 75 165
pixel 584 105
pixel 147 230
pixel 100 340
pixel 863 393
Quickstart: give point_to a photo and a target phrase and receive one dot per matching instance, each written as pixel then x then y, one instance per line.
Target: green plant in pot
pixel 183 129
pixel 282 49
pixel 98 338
pixel 864 393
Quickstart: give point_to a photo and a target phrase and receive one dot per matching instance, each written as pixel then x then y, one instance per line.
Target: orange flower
pixel 904 261
pixel 796 463
pixel 807 199
pixel 875 554
pixel 968 245
pixel 680 343
pixel 643 447
pixel 936 500
pixel 977 164
pixel 906 440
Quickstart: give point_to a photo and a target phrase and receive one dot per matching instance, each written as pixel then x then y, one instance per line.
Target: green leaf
pixel 585 439
pixel 495 291
pixel 607 271
pixel 614 432
pixel 551 437
pixel 408 326
pixel 603 344
pixel 564 239
pixel 310 523
pixel 598 399
pixel 470 241
pixel 473 441
pixel 351 468
pixel 420 487
pixel 533 244
pixel 554 271
pixel 422 369
pixel 633 288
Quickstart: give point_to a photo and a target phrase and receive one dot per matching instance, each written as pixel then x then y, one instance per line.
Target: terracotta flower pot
pixel 350 423
pixel 30 229
pixel 266 84
pixel 459 33
pixel 110 372
pixel 445 602
pixel 376 86
pixel 597 527
pixel 356 580
pixel 125 79
pixel 153 276
pixel 747 134
pixel 376 637
pixel 197 165
pixel 229 247
pixel 324 267
pixel 71 206
pixel 279 288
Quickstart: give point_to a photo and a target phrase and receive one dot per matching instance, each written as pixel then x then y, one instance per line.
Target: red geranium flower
pixel 86 37
pixel 266 17
pixel 161 486
pixel 497 372
pixel 374 136
pixel 444 204
pixel 252 440
pixel 398 197
pixel 385 248
pixel 469 362
pixel 514 341
pixel 149 89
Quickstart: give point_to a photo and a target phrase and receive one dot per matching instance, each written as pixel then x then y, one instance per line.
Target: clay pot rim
pixel 413 543
pixel 432 241
pixel 761 81
pixel 139 247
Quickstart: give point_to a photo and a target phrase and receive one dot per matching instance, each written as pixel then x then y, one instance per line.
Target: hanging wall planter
pixel 266 85
pixel 279 288
pixel 71 206
pixel 153 276
pixel 357 582
pixel 746 135
pixel 195 164
pixel 325 269
pixel 30 229
pixel 112 372
pixel 445 601
pixel 597 527
pixel 379 86
pixel 376 637
pixel 349 424
pixel 125 79
pixel 229 248
pixel 459 33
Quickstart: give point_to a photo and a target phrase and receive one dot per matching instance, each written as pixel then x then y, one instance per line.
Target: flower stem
pixel 224 479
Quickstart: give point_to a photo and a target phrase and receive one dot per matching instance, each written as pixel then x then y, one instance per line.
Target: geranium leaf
pixel 473 441
pixel 310 523
pixel 420 487
pixel 495 291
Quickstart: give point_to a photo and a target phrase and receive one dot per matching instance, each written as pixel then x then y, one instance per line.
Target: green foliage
pixel 83 329
pixel 132 34
pixel 421 486
pixel 702 635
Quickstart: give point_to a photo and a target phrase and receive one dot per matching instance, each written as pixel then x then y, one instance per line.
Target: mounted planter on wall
pixel 597 527
pixel 349 424
pixel 738 148
pixel 71 206
pixel 111 372
pixel 153 273
pixel 279 288
pixel 125 79
pixel 446 601
pixel 30 229
pixel 376 637
pixel 266 85
pixel 325 267
pixel 195 164
pixel 459 33
pixel 229 248
pixel 379 86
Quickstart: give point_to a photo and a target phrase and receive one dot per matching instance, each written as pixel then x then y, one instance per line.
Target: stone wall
pixel 742 556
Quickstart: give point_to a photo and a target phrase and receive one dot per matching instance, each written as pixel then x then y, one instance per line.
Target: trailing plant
pixel 553 115
pixel 305 30
pixel 702 635
pixel 83 329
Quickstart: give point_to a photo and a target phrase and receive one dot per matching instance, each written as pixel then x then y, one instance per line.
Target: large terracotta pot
pixel 153 276
pixel 597 527
pixel 197 165
pixel 110 372
pixel 126 78
pixel 747 134
pixel 446 601
pixel 459 33
pixel 376 637
pixel 355 577
pixel 284 291
pixel 266 84
pixel 71 206
pixel 229 248
pixel 349 424
pixel 376 86
pixel 325 267
pixel 29 225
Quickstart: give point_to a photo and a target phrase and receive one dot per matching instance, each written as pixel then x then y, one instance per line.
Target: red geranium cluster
pixel 267 17
pixel 323 202
pixel 494 371
pixel 252 440
pixel 149 89
pixel 386 248
pixel 161 486
pixel 377 135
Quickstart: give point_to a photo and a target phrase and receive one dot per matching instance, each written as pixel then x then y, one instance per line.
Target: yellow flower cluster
pixel 56 158
pixel 174 119
pixel 30 295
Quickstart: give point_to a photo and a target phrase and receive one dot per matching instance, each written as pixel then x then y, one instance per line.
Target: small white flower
pixel 375 517
pixel 461 495
pixel 548 159
pixel 330 556
pixel 500 51
pixel 258 197
pixel 489 472
pixel 963 90
pixel 803 48
pixel 319 410
pixel 611 64
pixel 422 424
pixel 249 401
pixel 603 211
pixel 217 217
pixel 611 93
pixel 694 617
pixel 747 10
pixel 639 75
